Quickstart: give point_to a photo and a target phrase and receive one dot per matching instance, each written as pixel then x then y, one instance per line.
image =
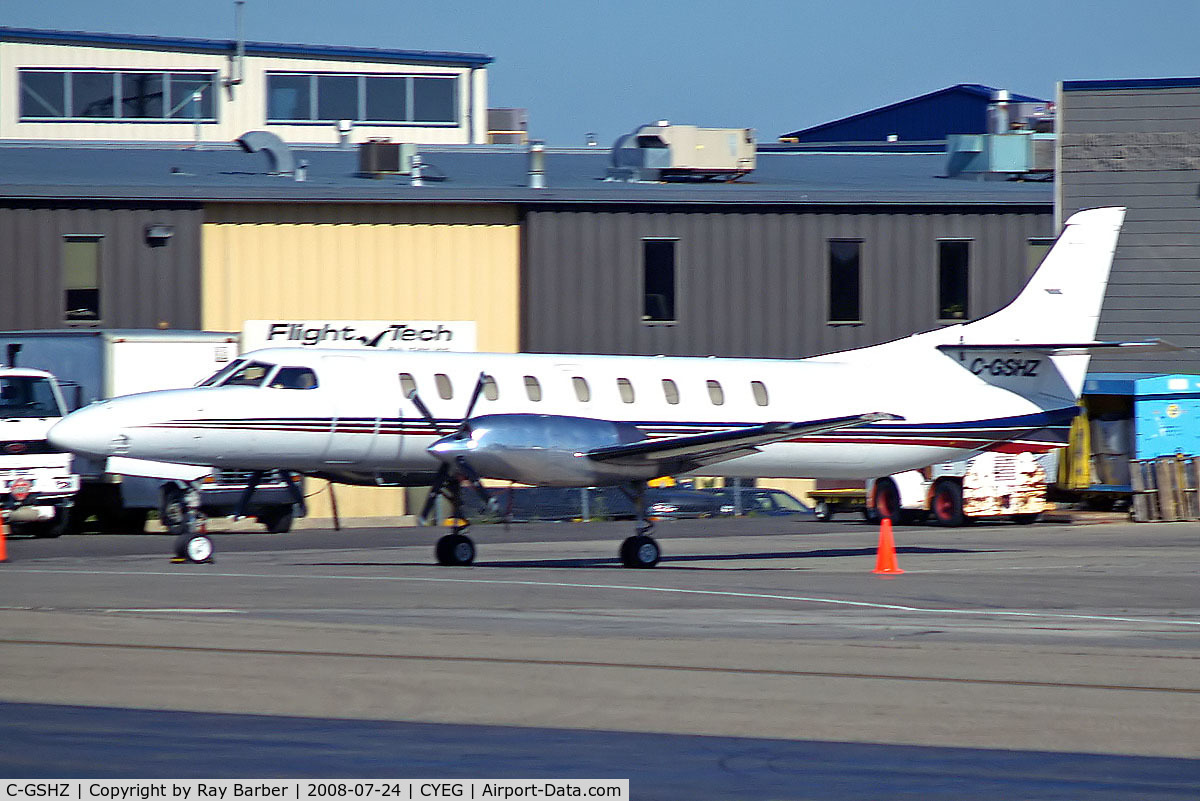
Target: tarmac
pixel 761 658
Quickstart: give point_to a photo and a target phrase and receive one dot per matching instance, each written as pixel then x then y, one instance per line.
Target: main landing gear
pixel 456 549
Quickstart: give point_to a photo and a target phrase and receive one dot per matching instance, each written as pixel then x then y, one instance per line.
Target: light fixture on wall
pixel 159 234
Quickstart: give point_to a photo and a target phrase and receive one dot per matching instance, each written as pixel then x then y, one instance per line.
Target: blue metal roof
pixel 959 109
pixel 482 174
pixel 1131 83
pixel 225 46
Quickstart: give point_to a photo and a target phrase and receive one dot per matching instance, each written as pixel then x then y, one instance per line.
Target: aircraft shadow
pixel 681 561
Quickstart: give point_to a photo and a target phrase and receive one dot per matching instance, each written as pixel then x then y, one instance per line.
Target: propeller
pixel 452 473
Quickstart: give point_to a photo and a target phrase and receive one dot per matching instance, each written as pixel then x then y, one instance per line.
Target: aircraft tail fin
pixel 1061 302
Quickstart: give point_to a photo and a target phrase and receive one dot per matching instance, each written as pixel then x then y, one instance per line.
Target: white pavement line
pixel 181 609
pixel 637 588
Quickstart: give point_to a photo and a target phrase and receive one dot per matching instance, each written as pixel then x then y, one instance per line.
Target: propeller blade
pixel 473 477
pixel 435 491
pixel 243 504
pixel 415 399
pixel 471 404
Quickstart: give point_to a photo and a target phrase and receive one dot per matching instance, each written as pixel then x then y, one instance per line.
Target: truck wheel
pixel 947 504
pixel 278 519
pixel 823 511
pixel 42 529
pixel 887 501
pixel 1027 518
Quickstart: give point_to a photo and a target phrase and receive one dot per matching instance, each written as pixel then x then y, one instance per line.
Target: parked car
pixel 760 501
pixel 566 503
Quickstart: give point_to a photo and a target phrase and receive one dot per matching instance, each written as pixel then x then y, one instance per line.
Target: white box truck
pixel 94 364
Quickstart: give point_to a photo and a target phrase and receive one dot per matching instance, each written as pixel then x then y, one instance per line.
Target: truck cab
pixel 37 483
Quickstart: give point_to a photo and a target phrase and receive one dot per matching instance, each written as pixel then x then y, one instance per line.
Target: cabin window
pixel 953 279
pixel 445 389
pixel 81 278
pixel 251 375
pixel 715 393
pixel 408 384
pixel 670 391
pixel 294 378
pixel 658 280
pixel 625 387
pixel 845 281
pixel 533 388
pixel 582 391
pixel 490 390
pixel 760 393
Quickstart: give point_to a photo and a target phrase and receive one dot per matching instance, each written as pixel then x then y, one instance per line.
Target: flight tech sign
pixel 434 335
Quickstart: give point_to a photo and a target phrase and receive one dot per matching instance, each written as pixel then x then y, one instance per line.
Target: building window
pixel 582 392
pixel 760 393
pixel 533 388
pixel 106 96
pixel 845 281
pixel 625 388
pixel 658 280
pixel 715 393
pixel 1039 246
pixel 670 391
pixel 953 279
pixel 491 390
pixel 445 389
pixel 81 278
pixel 389 99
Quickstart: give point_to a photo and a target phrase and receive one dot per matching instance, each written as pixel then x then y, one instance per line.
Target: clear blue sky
pixel 610 65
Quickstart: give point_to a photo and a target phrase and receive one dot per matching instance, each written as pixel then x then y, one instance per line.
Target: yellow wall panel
pixel 363 261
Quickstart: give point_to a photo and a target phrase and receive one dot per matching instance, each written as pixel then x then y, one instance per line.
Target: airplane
pixel 1007 381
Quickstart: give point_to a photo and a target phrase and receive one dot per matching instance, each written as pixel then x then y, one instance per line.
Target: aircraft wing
pixel 675 454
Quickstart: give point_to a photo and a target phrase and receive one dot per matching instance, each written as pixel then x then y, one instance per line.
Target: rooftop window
pixel 386 99
pixel 108 96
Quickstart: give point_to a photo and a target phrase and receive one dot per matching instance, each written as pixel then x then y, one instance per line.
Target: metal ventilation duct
pixel 279 154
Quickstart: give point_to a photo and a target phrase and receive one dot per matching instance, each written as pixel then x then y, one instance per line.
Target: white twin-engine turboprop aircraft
pixel 1007 381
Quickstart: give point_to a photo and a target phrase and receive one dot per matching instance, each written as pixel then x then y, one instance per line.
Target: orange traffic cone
pixel 885 556
pixel 3 536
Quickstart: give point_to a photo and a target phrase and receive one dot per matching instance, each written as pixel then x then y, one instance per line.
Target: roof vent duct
pixel 279 154
pixel 665 152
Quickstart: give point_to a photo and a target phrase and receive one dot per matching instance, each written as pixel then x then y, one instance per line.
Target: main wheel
pixel 172 512
pixel 948 504
pixel 887 501
pixel 455 550
pixel 1026 518
pixel 278 520
pixel 195 548
pixel 640 551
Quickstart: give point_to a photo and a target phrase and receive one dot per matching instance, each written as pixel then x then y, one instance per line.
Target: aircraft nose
pixel 92 430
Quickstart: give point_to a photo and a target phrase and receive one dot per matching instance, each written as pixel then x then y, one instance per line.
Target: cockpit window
pixel 294 378
pixel 250 375
pixel 218 376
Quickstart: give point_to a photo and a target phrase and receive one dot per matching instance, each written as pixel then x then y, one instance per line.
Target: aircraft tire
pixel 1026 518
pixel 455 550
pixel 279 519
pixel 887 501
pixel 640 551
pixel 194 548
pixel 947 504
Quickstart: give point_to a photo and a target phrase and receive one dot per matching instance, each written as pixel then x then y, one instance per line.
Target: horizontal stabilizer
pixel 1068 348
pixel 676 453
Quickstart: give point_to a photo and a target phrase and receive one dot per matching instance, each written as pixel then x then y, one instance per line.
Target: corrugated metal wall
pixel 140 286
pixel 1140 148
pixel 361 261
pixel 754 283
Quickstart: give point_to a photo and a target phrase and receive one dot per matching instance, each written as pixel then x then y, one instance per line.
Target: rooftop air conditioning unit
pixel 380 157
pixel 665 152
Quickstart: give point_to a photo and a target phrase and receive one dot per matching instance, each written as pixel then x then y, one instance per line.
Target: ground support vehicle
pixel 988 486
pixel 759 501
pixel 96 364
pixel 830 502
pixel 37 484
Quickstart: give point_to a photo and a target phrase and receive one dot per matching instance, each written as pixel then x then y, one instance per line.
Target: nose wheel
pixel 455 550
pixel 640 550
pixel 180 513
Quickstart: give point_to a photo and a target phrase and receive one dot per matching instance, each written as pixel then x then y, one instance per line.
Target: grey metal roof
pixel 481 174
pixel 225 46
